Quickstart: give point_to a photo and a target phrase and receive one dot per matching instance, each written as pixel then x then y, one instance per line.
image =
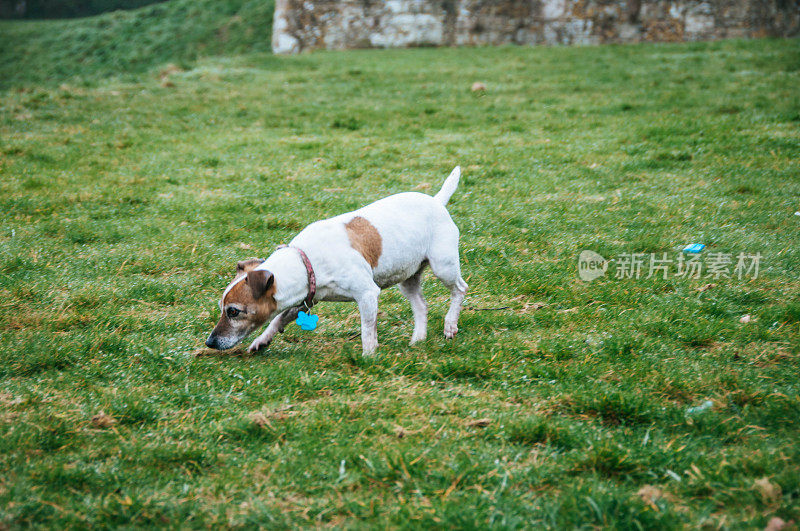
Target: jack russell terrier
pixel 350 257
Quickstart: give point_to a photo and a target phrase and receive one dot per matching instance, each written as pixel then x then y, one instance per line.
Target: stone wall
pixel 338 24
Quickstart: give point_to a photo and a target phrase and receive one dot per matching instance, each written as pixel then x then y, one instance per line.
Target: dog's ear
pixel 259 281
pixel 245 266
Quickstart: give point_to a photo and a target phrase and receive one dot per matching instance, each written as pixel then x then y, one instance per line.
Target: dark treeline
pixel 65 8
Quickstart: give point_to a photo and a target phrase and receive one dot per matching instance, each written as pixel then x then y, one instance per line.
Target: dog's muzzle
pixel 211 342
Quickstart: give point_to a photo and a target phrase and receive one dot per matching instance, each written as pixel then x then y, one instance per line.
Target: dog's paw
pixel 258 344
pixel 416 339
pixel 369 350
pixel 450 330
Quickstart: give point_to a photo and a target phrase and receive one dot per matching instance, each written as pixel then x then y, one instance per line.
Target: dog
pixel 350 257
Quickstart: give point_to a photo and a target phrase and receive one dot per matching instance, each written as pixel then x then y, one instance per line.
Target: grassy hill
pixel 624 403
pixel 57 9
pixel 125 43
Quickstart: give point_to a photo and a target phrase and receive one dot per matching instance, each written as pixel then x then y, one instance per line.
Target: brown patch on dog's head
pixel 248 302
pixel 253 295
pixel 365 239
pixel 247 265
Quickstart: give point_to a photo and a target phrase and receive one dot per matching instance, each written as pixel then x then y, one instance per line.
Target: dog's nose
pixel 211 341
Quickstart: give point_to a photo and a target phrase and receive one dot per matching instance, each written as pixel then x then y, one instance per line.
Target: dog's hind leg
pixel 412 289
pixel 458 290
pixel 446 266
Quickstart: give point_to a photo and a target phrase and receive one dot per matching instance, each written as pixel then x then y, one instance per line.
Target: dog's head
pixel 247 303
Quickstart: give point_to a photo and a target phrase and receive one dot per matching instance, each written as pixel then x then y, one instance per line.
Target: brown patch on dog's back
pixel 365 239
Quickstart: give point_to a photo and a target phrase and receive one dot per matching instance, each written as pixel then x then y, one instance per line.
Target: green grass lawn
pixel 124 207
pixel 124 44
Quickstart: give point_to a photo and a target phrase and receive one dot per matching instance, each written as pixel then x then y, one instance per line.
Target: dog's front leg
pixel 368 308
pixel 275 327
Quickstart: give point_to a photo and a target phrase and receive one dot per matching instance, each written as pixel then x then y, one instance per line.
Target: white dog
pixel 350 257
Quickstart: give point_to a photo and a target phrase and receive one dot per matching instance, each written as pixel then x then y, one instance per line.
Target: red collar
pixel 312 278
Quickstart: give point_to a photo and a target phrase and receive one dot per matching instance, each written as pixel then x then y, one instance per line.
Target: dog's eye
pixel 232 312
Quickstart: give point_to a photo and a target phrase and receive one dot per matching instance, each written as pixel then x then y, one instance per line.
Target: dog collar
pixel 312 278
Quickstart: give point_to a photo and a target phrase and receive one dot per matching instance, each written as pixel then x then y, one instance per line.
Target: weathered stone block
pixel 338 24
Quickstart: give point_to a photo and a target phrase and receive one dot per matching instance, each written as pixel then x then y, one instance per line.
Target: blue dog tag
pixel 694 248
pixel 306 321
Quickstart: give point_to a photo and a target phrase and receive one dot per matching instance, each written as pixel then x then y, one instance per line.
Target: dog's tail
pixel 449 186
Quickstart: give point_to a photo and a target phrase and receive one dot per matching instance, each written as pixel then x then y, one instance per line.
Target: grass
pixel 124 206
pixel 124 44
